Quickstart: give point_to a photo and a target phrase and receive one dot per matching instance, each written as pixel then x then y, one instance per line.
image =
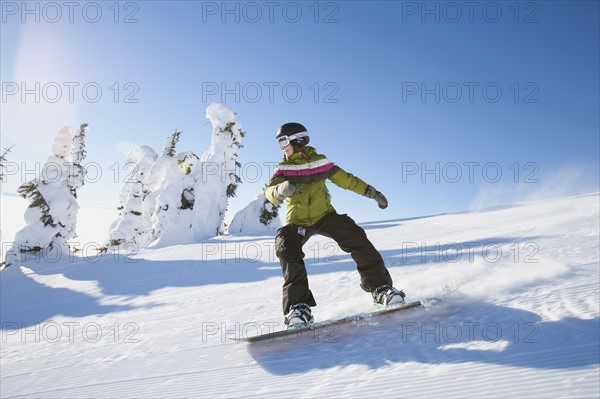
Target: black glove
pixel 377 196
pixel 284 190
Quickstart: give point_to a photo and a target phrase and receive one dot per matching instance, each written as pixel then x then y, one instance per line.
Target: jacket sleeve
pixel 347 181
pixel 269 190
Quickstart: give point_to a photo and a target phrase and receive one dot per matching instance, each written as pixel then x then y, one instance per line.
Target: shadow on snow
pixel 452 333
pixel 25 301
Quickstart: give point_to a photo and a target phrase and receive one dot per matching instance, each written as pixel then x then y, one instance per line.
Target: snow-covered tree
pixel 78 153
pixel 131 228
pixel 217 180
pixel 51 218
pixel 2 163
pixel 187 163
pixel 169 147
pixel 156 207
pixel 269 215
pixel 259 216
pixel 75 180
pixel 174 197
pixel 184 197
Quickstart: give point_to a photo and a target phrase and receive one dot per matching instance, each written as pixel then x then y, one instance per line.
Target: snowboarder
pixel 299 180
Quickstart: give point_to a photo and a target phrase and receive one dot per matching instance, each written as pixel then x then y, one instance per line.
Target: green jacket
pixel 308 171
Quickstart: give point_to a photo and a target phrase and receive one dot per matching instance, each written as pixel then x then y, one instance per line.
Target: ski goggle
pixel 284 141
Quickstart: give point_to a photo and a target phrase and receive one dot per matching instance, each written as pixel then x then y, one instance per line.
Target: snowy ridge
pixel 155 324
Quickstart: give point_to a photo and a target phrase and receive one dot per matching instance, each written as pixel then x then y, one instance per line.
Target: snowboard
pixel 322 328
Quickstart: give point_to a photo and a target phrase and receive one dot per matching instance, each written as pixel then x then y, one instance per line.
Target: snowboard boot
pixel 388 296
pixel 299 316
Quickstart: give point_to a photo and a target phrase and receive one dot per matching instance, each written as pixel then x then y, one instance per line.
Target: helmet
pixel 291 129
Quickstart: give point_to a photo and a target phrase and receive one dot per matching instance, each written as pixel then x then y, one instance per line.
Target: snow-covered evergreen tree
pixel 2 163
pixel 259 216
pixel 184 197
pixel 78 153
pixel 218 179
pixel 156 208
pixel 269 214
pixel 131 228
pixel 75 180
pixel 187 163
pixel 169 147
pixel 51 217
pixel 174 197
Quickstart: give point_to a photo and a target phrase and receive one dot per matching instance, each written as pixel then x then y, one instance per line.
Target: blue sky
pixel 442 106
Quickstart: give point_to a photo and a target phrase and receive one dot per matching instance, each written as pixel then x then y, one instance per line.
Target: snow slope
pixel 158 323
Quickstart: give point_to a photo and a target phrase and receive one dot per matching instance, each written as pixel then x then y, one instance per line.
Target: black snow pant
pixel 350 237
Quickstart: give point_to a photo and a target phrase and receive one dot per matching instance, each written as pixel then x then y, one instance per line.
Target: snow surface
pixel 525 322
